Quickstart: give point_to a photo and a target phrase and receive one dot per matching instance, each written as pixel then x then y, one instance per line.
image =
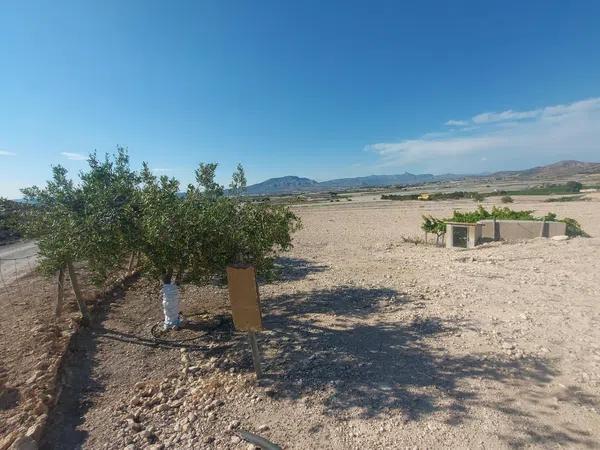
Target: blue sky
pixel 309 88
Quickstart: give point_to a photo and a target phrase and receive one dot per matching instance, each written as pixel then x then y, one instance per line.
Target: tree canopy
pixel 182 236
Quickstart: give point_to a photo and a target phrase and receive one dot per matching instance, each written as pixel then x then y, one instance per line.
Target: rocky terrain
pixel 370 341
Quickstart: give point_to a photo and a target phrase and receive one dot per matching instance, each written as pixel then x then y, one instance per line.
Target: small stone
pixel 233 425
pixel 35 430
pixel 24 443
pixel 134 426
pixel 209 439
pixel 147 435
pixel 263 428
pixel 32 379
pixel 163 407
pixel 180 392
pixel 235 439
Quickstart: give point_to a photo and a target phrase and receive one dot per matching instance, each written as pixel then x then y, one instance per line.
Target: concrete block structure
pixel 514 230
pixel 468 235
pixel 463 235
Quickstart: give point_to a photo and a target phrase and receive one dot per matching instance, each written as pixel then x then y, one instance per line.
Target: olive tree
pixel 56 222
pixel 94 222
pixel 238 181
pixel 180 236
pixel 110 219
pixel 193 237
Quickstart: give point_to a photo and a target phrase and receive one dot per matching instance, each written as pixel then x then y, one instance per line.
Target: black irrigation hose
pixel 157 335
pixel 257 440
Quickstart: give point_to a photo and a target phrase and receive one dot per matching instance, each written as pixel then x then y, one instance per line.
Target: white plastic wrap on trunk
pixel 170 301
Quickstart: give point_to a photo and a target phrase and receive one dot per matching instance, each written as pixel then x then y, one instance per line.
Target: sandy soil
pixel 370 343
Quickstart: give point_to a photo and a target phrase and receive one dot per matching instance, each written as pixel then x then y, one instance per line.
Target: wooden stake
pixel 60 294
pixel 130 265
pixel 77 291
pixel 255 353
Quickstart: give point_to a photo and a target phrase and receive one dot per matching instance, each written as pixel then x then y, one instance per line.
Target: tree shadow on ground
pixel 77 384
pixel 372 353
pixel 293 269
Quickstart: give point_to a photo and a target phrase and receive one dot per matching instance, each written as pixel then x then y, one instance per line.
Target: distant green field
pixel 571 187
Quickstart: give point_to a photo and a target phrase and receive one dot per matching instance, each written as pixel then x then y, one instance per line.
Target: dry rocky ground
pixel 369 343
pixel 32 345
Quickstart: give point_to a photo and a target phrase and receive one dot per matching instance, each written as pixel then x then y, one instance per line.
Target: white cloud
pixel 7 153
pixel 456 123
pixel 550 132
pixel 74 156
pixel 491 117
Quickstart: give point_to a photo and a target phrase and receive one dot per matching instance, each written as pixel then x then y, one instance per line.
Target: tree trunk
pixel 60 294
pixel 130 265
pixel 85 315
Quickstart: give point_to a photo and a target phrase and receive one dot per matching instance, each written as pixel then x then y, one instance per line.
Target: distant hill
pixel 282 185
pixel 559 169
pixel 376 181
pixel 293 184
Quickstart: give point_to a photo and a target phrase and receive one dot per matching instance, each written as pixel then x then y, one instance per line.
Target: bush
pixel 506 199
pixel 476 196
pixel 456 195
pixel 573 228
pixel 435 226
pixel 573 186
pixel 482 214
pixel 570 198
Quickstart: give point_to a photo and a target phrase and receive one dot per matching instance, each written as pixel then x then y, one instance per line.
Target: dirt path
pixel 370 344
pixel 16 260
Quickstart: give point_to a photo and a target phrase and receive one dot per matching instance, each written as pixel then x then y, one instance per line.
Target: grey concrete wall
pixel 513 230
pixel 473 232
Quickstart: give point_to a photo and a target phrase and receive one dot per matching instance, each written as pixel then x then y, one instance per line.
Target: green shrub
pixel 573 186
pixel 434 226
pixel 506 199
pixel 477 196
pixel 573 228
pixel 570 198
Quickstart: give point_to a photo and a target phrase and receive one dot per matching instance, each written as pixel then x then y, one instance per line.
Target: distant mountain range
pixel 559 169
pixel 293 184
